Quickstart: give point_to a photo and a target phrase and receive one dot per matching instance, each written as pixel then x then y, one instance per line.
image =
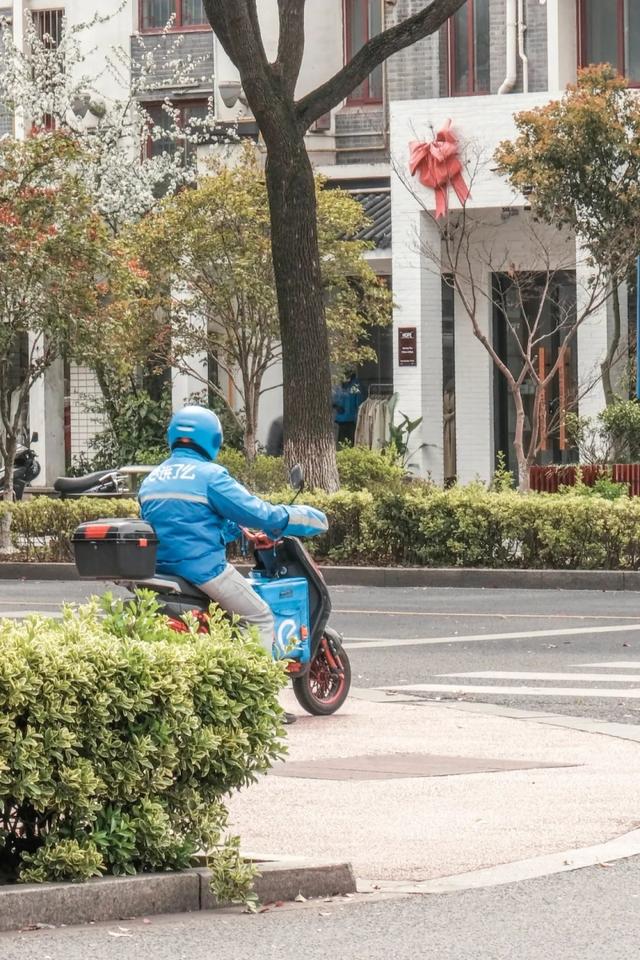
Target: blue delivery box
pixel 289 602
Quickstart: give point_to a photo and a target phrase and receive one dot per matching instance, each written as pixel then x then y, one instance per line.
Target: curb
pixel 117 898
pixel 616 580
pixel 619 848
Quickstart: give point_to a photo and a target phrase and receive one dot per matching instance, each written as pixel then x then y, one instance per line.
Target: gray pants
pixel 231 591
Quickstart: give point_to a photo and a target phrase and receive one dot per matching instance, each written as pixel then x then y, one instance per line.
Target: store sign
pixel 408 346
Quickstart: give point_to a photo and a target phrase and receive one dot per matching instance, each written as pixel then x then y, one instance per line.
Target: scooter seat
pixel 170 584
pixel 78 484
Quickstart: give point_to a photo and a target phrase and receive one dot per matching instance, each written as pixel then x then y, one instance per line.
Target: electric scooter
pixel 25 468
pixel 102 483
pixel 284 575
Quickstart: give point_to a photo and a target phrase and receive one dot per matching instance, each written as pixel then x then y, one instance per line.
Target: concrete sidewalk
pixel 395 820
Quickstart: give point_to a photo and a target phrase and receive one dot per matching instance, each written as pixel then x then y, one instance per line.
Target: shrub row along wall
pixel 411 524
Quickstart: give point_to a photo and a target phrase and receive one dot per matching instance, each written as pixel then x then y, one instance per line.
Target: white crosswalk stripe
pixel 562 677
pixel 632 693
pixel 619 664
pixel 529 678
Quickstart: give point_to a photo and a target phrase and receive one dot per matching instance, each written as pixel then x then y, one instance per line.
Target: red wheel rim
pixel 324 684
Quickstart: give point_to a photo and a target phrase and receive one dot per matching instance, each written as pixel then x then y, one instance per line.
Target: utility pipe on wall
pixel 522 27
pixel 512 47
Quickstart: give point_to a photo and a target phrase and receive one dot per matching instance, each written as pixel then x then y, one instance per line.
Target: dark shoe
pixel 289 718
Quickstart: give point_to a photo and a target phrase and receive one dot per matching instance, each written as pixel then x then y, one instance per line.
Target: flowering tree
pixel 578 161
pixel 47 85
pixel 213 246
pixel 53 246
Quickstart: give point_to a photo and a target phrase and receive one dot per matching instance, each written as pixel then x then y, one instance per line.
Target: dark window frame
pixel 180 105
pixel 354 99
pixel 55 16
pixel 178 26
pixel 583 40
pixel 450 28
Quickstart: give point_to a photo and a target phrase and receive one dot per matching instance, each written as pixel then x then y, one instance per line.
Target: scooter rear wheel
pixel 325 686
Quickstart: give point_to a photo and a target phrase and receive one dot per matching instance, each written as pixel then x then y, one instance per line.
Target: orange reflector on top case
pixel 143 542
pixel 96 531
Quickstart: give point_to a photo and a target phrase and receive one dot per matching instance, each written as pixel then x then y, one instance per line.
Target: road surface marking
pixel 371 643
pixel 508 675
pixel 622 664
pixel 490 616
pixel 579 692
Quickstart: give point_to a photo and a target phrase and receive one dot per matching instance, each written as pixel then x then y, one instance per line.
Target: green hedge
pixel 472 527
pixel 119 740
pixel 358 468
pixel 41 529
pixel 414 525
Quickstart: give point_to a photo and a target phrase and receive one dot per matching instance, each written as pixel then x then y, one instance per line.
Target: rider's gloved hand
pixel 230 531
pixel 305 521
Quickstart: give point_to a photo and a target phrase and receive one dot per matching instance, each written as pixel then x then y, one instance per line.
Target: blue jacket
pixel 189 501
pixel 347 398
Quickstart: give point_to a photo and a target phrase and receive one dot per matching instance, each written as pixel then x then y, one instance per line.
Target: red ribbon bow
pixel 438 166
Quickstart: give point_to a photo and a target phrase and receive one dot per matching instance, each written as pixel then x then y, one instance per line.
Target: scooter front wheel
pixel 325 686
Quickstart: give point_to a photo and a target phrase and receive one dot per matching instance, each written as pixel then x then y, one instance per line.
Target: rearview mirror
pixel 296 478
pixel 34 436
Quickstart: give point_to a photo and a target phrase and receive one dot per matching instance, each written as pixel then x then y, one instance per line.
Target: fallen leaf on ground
pixel 116 933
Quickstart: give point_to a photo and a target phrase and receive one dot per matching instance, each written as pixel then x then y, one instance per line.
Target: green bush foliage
pixel 363 469
pixel 261 475
pixel 41 529
pixel 415 524
pixel 120 738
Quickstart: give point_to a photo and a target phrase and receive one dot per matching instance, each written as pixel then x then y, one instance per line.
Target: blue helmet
pixel 196 427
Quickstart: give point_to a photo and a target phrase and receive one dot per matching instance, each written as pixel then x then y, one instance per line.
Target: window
pixel 186 14
pixel 469 44
pixel 363 20
pixel 610 33
pixel 48 24
pixel 196 110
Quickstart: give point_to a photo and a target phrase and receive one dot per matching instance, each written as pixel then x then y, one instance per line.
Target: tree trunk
pixel 607 363
pixel 308 421
pixel 251 410
pixel 11 444
pixel 524 461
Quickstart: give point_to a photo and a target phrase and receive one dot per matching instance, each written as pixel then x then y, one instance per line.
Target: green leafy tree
pixel 212 246
pixel 53 246
pixel 270 87
pixel 578 161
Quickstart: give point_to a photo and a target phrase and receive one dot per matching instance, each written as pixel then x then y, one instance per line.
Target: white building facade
pixel 493 59
pixel 497 59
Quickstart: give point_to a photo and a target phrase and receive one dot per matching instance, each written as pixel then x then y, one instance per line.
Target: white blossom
pixel 48 83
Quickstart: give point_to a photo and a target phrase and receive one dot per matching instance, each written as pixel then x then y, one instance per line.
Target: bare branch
pixel 374 52
pixel 290 43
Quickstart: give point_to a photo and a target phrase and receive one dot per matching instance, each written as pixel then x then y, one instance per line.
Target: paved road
pixel 587 915
pixel 580 653
pixel 573 652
